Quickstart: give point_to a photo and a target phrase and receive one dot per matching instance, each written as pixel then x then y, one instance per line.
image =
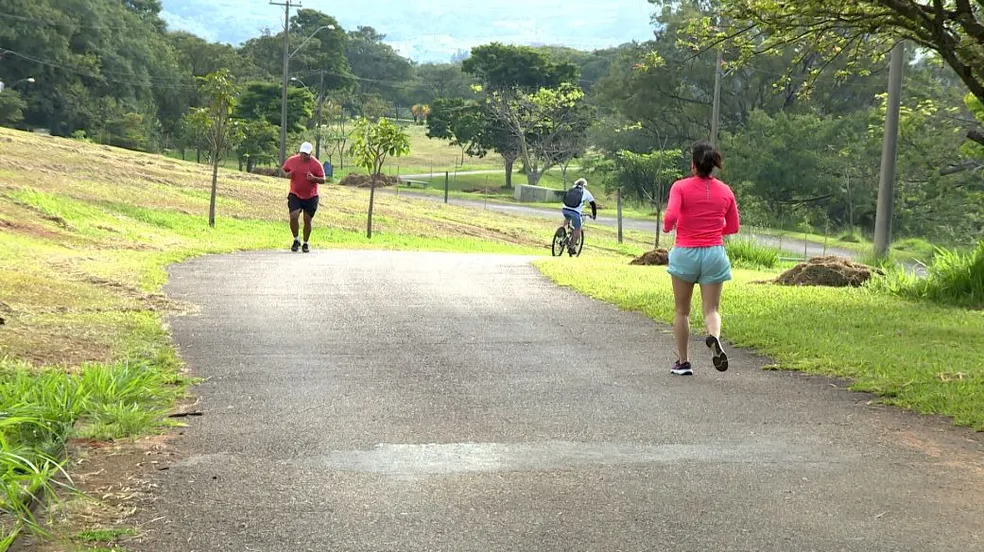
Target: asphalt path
pixel 388 401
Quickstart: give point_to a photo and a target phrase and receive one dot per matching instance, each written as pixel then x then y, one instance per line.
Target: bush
pixel 953 278
pixel 747 253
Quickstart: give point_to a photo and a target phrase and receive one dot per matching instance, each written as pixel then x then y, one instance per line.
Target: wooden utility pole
pixel 287 4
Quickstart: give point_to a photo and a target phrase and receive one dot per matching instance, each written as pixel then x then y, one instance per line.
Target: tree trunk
pixel 509 170
pixel 372 199
pixel 250 165
pixel 215 184
pixel 198 155
pixel 240 164
pixel 563 171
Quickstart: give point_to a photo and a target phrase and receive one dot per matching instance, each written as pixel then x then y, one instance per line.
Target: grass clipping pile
pixel 656 257
pixel 365 181
pixel 829 272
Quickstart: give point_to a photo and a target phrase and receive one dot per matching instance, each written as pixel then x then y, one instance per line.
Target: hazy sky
pixel 433 30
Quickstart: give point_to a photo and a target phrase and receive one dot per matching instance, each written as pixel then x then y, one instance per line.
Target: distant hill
pixel 435 30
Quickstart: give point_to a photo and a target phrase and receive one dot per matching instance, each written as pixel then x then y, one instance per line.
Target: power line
pixel 149 83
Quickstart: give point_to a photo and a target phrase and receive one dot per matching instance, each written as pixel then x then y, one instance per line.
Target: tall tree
pixel 532 97
pixel 824 30
pixel 379 68
pixel 262 100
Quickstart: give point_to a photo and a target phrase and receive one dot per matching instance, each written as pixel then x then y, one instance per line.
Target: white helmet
pixel 581 183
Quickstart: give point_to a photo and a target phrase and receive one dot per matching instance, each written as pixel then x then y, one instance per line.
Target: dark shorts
pixel 309 206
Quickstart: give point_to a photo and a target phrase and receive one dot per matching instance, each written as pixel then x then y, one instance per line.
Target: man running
pixel 574 201
pixel 305 174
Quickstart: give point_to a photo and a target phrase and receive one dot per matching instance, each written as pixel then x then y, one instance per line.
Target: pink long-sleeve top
pixel 703 210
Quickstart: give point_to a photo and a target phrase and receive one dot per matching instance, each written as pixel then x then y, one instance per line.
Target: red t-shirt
pixel 703 210
pixel 298 168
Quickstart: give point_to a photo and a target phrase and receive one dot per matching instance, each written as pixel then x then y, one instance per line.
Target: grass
pixel 904 250
pixel 747 253
pixel 953 278
pixel 912 354
pixel 104 535
pixel 85 244
pixel 41 409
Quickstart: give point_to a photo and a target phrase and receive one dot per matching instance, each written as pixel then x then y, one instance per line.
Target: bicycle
pixel 562 239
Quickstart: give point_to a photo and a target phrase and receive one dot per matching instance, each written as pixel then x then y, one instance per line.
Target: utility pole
pixel 886 185
pixel 317 126
pixel 716 115
pixel 287 4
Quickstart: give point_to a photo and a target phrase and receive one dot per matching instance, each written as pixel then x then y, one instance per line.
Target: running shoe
pixel 719 357
pixel 682 369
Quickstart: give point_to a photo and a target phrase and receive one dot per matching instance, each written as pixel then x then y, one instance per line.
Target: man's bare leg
pixel 295 228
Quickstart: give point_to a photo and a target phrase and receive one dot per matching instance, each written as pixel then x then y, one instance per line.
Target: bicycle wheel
pixel 580 243
pixel 559 242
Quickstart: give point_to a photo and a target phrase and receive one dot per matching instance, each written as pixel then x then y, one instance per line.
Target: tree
pixel 259 144
pixel 440 80
pixel 501 68
pixel 379 68
pixel 646 176
pixel 459 122
pixel 89 58
pixel 826 31
pixel 373 144
pixel 262 100
pixel 533 99
pixel 12 107
pixel 547 124
pixel 214 121
pixel 335 132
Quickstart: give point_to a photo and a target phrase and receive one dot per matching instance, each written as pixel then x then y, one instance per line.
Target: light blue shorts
pixel 574 217
pixel 700 265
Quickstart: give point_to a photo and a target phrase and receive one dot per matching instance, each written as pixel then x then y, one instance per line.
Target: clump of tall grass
pixel 41 409
pixel 747 253
pixel 952 278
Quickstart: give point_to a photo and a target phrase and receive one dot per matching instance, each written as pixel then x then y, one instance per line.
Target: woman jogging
pixel 703 211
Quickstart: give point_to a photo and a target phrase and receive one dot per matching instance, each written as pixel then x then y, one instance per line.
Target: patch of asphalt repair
pixel 371 401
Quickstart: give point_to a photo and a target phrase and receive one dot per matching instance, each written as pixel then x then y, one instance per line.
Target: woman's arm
pixel 732 220
pixel 672 210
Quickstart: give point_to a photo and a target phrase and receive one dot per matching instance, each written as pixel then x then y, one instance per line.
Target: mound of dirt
pixel 656 257
pixel 364 181
pixel 828 271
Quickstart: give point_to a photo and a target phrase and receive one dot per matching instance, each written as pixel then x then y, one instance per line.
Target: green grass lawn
pixel 914 355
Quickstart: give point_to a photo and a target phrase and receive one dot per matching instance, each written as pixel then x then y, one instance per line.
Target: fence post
pixel 486 191
pixel 618 203
pixel 447 182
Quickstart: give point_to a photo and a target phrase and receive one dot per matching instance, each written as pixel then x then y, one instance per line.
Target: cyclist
pixel 574 200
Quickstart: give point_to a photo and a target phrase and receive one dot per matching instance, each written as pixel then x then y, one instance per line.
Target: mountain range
pixel 435 30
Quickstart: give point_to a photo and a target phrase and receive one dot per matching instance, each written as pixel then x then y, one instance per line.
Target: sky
pixel 434 30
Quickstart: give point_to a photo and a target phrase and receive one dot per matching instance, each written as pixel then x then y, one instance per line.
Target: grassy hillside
pixel 86 232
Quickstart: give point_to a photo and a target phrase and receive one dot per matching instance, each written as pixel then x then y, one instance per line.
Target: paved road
pixel 421 402
pixel 790 245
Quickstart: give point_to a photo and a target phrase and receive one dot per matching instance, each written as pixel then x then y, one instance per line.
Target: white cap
pixel 307 148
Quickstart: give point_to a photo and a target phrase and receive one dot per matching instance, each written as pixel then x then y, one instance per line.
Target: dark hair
pixel 706 159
